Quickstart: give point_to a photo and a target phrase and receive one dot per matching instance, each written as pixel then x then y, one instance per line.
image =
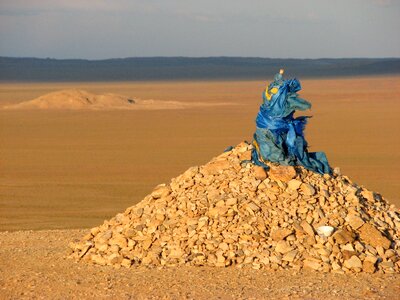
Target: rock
pixel 294 184
pixel 307 228
pixel 282 173
pixel 160 191
pixel 369 264
pixel 290 256
pixel 231 201
pixel 260 173
pixel 312 264
pixel 307 189
pixel 354 221
pixel 283 247
pixel 372 236
pixel 348 247
pixel 281 233
pixel 99 260
pixel 224 213
pixel 126 263
pixel 353 263
pixel 336 266
pixel 114 259
pixel 368 195
pixel 343 236
pixel 216 167
pixel 245 156
pixel 176 253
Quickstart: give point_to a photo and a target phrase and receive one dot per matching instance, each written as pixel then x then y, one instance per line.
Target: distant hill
pixel 186 68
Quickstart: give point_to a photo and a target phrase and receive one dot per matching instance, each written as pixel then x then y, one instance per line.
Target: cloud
pixel 27 7
pixel 383 2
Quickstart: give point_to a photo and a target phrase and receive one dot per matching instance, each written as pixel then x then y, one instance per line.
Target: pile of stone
pixel 231 213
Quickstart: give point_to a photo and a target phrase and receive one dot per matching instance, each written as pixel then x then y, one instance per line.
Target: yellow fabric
pixel 258 151
pixel 274 90
pixel 268 95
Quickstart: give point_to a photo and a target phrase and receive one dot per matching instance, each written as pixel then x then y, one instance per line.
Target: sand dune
pixel 75 99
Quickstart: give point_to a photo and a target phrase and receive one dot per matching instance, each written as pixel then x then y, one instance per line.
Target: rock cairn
pixel 229 213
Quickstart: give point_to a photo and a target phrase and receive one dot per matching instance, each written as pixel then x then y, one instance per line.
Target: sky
pixel 99 29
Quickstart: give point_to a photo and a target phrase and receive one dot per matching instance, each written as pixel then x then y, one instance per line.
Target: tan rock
pixel 221 214
pixel 282 173
pixel 290 256
pixel 312 264
pixel 260 173
pixel 231 201
pixel 283 247
pixel 353 262
pixel 114 259
pixel 372 236
pixel 216 167
pixel 307 228
pixel 307 189
pixel 294 184
pixel 97 259
pixel 343 236
pixel 126 263
pixel 354 221
pixel 160 191
pixel 245 155
pixel 280 233
pixel 368 266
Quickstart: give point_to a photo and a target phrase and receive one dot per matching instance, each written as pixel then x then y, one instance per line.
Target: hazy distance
pixel 97 29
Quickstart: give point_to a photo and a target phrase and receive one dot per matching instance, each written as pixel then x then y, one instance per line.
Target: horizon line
pixel 200 57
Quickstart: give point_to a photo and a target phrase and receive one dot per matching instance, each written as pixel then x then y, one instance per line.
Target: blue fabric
pixel 280 136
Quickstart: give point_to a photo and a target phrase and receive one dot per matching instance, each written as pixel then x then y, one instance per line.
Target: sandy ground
pixel 75 169
pixel 33 266
pixel 63 169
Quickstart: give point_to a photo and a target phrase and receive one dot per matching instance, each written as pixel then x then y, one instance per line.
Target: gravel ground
pixel 33 266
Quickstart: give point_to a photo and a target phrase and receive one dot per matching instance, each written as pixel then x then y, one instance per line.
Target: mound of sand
pixel 74 99
pixel 230 213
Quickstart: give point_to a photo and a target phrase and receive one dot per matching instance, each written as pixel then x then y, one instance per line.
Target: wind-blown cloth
pixel 279 137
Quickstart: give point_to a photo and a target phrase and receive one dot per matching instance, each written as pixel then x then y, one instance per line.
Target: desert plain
pixel 62 171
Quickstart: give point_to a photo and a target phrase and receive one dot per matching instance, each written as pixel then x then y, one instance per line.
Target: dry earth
pixel 33 266
pixel 73 169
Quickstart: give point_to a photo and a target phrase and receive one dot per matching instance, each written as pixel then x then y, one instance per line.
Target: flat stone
pixel 368 266
pixel 260 173
pixel 215 167
pixel 126 263
pixel 368 195
pixel 348 247
pixel 311 264
pixel 280 234
pixel 282 173
pixel 372 236
pixel 118 240
pixel 176 253
pixel 160 191
pixel 231 201
pixel 343 236
pixel 307 189
pixel 114 258
pixel 97 259
pixel 245 155
pixel 353 262
pixel 354 221
pixel 294 184
pixel 283 247
pixel 307 228
pixel 290 256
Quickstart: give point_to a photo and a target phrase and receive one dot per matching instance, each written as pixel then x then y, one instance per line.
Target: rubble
pixel 232 213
